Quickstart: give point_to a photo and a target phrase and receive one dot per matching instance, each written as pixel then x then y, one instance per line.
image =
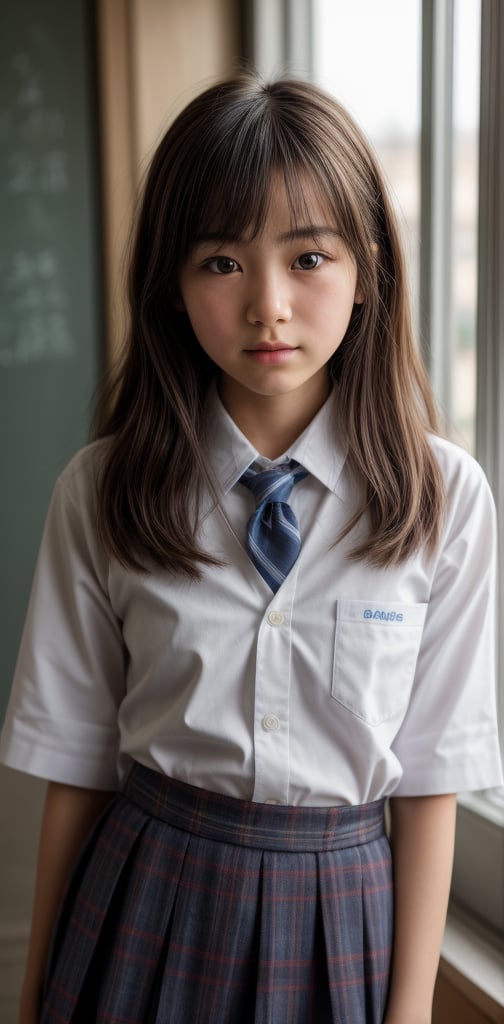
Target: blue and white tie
pixel 273 539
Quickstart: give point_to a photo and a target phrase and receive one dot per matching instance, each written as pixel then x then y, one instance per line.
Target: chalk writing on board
pixel 35 319
pixel 34 323
pixel 47 173
pixel 35 130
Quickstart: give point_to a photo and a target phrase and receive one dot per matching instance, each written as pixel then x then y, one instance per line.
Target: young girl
pixel 263 605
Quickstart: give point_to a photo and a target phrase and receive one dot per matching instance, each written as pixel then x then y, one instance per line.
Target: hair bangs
pixel 234 202
pixel 232 180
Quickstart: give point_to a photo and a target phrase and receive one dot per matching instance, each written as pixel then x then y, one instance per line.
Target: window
pixel 449 219
pixel 365 78
pixel 466 104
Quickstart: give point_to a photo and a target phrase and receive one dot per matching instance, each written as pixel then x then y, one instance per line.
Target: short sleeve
pixel 448 741
pixel 61 721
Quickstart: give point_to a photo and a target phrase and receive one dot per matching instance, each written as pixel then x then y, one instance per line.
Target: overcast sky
pixel 367 52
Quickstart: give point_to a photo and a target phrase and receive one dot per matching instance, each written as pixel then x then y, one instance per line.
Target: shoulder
pixel 78 481
pixel 71 522
pixel 468 496
pixel 458 467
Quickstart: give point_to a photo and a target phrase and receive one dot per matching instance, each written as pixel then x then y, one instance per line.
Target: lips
pixel 271 346
pixel 271 353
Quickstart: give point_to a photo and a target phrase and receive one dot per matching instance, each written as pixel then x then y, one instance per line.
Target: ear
pixel 359 296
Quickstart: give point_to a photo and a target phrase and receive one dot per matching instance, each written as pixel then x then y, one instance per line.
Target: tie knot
pixel 273 484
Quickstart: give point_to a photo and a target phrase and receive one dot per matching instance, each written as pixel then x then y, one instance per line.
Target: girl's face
pixel 270 311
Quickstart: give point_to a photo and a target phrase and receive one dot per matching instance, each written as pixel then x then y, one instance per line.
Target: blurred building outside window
pixel 368 56
pixel 466 99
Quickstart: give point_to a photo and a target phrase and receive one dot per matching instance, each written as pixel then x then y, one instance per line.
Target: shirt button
pixel 276 618
pixel 270 723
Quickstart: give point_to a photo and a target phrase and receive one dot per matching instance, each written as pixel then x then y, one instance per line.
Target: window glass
pixel 465 217
pixel 368 55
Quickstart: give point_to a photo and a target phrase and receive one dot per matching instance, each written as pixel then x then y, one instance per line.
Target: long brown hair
pixel 212 171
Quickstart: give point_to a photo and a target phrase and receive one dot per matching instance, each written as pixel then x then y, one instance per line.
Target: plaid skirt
pixel 187 907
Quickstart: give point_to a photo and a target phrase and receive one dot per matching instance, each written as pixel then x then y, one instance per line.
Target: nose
pixel 268 301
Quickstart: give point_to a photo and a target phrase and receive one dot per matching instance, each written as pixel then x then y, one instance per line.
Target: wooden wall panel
pixel 117 157
pixel 155 55
pixel 178 48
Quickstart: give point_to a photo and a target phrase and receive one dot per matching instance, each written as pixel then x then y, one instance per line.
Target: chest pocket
pixel 375 653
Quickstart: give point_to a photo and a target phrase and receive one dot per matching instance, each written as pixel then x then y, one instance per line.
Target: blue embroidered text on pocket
pixel 379 613
pixel 375 653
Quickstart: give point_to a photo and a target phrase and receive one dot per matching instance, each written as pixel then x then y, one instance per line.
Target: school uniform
pixel 257 884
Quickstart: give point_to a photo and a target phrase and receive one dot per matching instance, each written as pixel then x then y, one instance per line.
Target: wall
pixel 155 55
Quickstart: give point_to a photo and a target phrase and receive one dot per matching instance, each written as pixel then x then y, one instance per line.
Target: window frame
pixel 278 35
pixel 436 193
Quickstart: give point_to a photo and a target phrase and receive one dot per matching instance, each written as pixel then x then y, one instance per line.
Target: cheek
pixel 207 312
pixel 206 322
pixel 332 307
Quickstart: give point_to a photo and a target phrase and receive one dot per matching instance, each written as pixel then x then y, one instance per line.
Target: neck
pixel 272 423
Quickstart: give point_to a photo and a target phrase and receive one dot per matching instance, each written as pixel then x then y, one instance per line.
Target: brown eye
pixel 308 261
pixel 222 265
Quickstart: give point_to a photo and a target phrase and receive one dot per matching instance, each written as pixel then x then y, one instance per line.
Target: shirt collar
pixel 319 448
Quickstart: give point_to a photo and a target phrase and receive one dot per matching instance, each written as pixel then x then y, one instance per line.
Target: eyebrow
pixel 306 231
pixel 309 231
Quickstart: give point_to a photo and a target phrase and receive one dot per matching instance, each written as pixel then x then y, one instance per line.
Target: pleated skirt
pixel 187 907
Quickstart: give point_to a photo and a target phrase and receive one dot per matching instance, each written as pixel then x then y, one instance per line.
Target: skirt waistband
pixel 245 823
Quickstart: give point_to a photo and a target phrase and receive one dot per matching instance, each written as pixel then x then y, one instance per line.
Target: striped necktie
pixel 273 539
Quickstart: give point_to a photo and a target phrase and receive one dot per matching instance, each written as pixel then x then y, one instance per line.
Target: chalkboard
pixel 50 297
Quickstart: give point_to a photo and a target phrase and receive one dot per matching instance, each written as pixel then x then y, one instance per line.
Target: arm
pixel 423 830
pixel 69 813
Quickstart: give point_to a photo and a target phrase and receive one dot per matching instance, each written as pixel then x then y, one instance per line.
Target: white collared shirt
pixel 349 684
